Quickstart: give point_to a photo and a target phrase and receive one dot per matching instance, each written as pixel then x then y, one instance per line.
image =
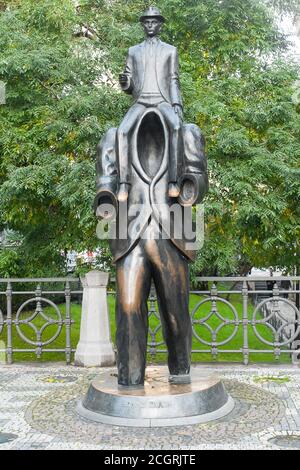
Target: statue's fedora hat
pixel 152 12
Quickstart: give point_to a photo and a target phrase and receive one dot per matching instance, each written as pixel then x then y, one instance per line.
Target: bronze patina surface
pixel 150 164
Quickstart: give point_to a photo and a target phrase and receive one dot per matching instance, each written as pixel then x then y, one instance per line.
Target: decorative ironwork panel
pixel 237 314
pixel 277 321
pixel 211 328
pixel 31 322
pixel 214 312
pixel 39 311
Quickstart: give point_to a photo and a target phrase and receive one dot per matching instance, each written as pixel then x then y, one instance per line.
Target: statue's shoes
pixel 123 192
pixel 174 190
pixel 122 195
pixel 182 379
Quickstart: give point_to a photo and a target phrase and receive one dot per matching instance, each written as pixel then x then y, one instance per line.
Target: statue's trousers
pixel 159 260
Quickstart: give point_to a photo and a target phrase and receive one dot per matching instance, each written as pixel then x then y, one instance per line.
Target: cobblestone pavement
pixel 38 403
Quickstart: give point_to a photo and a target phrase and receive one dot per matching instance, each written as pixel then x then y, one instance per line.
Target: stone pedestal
pixel 158 403
pixel 95 346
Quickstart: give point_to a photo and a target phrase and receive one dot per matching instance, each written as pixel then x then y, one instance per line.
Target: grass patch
pixel 277 380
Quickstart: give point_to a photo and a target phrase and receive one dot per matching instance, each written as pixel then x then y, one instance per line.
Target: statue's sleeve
pixel 107 174
pixel 128 71
pixel 175 84
pixel 193 183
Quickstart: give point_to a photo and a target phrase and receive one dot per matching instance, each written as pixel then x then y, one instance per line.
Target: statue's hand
pixel 123 79
pixel 106 209
pixel 104 213
pixel 178 110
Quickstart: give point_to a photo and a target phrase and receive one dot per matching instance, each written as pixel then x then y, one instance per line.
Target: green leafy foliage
pixel 60 64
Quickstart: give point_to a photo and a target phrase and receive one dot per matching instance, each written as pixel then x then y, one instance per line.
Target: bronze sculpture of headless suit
pixel 151 251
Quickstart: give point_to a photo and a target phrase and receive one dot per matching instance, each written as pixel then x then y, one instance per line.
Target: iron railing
pixel 29 315
pixel 232 315
pixel 272 317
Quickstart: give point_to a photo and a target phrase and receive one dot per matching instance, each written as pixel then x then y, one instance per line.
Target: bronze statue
pixel 150 168
pixel 151 77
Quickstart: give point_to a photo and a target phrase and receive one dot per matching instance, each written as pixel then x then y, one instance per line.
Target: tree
pixel 285 6
pixel 60 65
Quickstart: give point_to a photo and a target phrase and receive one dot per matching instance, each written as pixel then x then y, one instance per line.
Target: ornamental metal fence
pixel 31 308
pixel 239 316
pixel 232 318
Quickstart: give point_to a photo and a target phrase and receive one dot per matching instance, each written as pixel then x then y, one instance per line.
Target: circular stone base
pixel 158 403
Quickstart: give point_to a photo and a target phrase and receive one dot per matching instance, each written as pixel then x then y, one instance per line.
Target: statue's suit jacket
pixel 166 70
pixel 150 194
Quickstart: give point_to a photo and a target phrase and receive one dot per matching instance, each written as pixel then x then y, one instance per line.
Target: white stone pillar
pixel 95 347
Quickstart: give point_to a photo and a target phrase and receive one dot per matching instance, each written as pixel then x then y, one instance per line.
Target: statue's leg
pixel 171 277
pixel 176 141
pixel 123 135
pixel 133 286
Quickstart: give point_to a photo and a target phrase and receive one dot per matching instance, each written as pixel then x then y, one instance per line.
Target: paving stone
pixel 38 408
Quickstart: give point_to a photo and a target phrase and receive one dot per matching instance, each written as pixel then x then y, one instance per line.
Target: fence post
pixel 95 346
pixel 245 323
pixel 68 321
pixel 9 323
